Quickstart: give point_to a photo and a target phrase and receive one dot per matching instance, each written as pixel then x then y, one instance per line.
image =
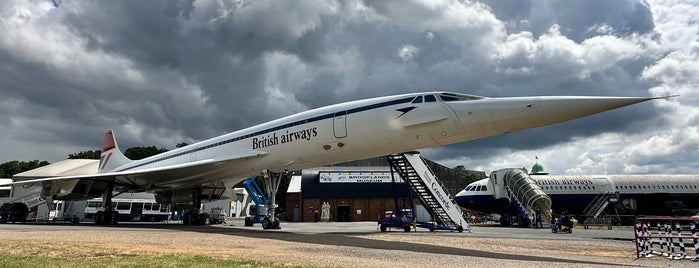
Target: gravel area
pixel 332 249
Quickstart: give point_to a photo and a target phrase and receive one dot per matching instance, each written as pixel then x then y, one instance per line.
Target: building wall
pixel 345 209
pixel 293 201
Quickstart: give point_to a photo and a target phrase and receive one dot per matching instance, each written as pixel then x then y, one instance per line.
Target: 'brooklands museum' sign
pixel 358 177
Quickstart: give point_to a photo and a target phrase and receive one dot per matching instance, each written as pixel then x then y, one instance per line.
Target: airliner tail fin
pixel 111 157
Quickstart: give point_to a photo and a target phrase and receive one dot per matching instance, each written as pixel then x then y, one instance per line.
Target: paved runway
pixel 619 233
pixel 364 243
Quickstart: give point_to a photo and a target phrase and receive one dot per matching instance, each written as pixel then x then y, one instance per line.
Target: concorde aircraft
pixel 332 134
pixel 630 195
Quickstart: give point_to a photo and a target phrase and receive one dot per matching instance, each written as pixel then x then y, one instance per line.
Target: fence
pixel 667 237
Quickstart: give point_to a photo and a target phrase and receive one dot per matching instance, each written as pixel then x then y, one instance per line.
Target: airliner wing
pixel 160 176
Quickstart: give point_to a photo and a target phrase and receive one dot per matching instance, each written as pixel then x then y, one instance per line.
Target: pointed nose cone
pixel 493 116
pixel 551 110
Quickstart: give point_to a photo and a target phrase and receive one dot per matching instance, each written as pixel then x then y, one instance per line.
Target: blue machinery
pixel 263 210
pixel 258 212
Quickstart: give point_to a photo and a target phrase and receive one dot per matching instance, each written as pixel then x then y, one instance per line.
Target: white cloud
pixel 407 52
pixel 554 55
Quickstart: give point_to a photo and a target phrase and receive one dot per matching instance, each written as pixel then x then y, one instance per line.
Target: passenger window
pixel 418 99
pixel 146 206
pixel 124 205
pixel 430 98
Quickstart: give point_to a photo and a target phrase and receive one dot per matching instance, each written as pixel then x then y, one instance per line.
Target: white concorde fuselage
pixel 377 126
pixel 327 135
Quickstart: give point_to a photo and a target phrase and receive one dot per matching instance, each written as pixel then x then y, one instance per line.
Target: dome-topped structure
pixel 538 169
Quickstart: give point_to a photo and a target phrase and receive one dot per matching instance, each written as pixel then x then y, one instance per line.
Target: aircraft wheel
pixel 383 228
pixel 460 229
pixel 266 223
pixel 98 217
pixel 201 219
pixel 248 221
pixel 275 224
pixel 406 228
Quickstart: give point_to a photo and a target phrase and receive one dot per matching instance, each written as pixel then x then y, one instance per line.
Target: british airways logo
pixel 404 110
pixel 271 140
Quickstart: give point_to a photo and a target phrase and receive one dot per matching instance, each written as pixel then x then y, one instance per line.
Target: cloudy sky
pixel 164 72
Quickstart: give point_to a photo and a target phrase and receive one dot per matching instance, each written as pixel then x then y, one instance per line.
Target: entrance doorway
pixel 340 124
pixel 343 214
pixel 136 211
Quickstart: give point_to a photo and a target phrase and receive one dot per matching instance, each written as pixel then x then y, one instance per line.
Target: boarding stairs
pixel 594 212
pixel 434 197
pixel 526 195
pixel 597 206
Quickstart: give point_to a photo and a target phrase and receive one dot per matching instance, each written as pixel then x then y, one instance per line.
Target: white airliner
pixel 658 194
pixel 332 134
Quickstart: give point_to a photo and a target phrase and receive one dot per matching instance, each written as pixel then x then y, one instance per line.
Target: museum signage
pixel 357 177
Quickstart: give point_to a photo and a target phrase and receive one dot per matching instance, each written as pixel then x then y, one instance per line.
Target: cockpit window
pixel 448 96
pixel 485 188
pixel 430 98
pixel 418 99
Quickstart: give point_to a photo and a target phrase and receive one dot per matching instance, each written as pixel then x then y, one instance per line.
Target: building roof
pixel 69 167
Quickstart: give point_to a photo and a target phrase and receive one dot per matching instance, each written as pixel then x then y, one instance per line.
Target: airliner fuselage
pixel 652 194
pixel 336 133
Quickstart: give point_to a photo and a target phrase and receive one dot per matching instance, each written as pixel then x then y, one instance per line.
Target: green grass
pixel 56 254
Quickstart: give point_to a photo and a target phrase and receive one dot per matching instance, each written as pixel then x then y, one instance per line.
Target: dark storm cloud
pixel 162 72
pixel 579 20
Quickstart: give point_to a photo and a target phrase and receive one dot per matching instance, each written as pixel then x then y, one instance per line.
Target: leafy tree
pixel 9 169
pixel 86 155
pixel 181 144
pixel 136 153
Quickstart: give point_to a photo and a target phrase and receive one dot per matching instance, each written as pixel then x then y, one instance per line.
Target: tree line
pixel 10 168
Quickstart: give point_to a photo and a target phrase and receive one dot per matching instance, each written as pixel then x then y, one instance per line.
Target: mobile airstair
pixel 597 206
pixel 525 195
pixel 430 191
pixel 594 212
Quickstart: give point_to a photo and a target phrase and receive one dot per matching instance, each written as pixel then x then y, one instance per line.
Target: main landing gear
pixel 271 184
pixel 108 215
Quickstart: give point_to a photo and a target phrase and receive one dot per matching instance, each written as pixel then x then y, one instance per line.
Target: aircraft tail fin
pixel 111 157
